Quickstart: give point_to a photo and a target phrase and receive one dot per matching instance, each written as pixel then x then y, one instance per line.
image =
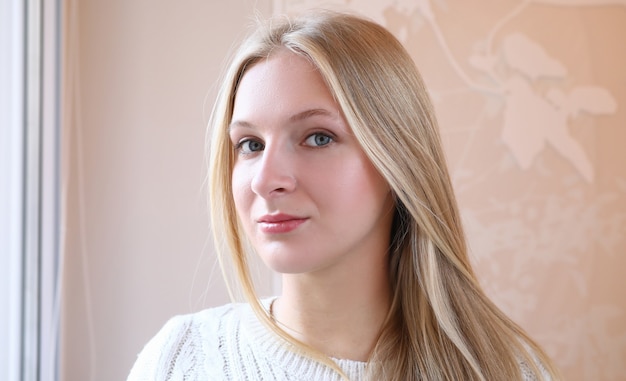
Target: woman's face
pixel 306 194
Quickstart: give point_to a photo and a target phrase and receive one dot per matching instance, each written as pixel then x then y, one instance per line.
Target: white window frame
pixel 29 189
pixel 11 181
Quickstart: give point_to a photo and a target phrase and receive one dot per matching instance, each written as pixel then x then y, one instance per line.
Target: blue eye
pixel 249 146
pixel 318 140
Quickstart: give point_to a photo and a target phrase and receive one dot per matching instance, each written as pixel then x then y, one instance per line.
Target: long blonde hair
pixel 440 326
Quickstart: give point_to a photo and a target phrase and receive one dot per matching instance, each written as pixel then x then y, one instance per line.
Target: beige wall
pixel 531 104
pixel 138 247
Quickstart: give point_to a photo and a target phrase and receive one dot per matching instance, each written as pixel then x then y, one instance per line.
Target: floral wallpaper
pixel 530 96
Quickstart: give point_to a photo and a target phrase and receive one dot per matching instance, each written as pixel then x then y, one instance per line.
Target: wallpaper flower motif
pixel 528 95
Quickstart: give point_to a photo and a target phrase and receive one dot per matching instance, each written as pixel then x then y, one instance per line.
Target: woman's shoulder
pixel 536 371
pixel 187 345
pixel 529 374
pixel 198 325
pixel 212 318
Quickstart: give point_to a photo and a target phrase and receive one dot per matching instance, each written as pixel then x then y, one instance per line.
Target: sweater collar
pixel 278 351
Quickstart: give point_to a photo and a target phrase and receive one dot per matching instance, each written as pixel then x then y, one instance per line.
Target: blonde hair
pixel 440 326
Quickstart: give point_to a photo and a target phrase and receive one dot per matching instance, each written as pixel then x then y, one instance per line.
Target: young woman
pixel 326 162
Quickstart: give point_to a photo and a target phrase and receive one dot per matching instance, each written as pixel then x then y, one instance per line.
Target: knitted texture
pixel 230 343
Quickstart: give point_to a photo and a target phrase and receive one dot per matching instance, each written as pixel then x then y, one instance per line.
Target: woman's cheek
pixel 241 189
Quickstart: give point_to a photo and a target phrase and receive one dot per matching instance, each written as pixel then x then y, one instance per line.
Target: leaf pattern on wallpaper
pixel 530 58
pixel 591 99
pixel 587 340
pixel 534 119
pixel 530 231
pixel 540 240
pixel 564 235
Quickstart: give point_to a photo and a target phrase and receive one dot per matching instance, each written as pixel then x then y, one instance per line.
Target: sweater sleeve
pixel 173 354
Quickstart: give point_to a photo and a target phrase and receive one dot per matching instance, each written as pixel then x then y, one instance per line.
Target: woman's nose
pixel 274 173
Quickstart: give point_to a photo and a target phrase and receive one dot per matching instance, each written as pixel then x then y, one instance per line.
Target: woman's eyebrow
pixel 240 123
pixel 300 116
pixel 311 113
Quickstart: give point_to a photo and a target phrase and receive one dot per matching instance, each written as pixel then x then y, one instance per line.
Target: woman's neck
pixel 341 316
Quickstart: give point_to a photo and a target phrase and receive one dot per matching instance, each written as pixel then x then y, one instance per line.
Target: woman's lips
pixel 280 223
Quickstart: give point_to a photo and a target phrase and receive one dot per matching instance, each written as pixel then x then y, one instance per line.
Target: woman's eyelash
pixel 316 140
pixel 319 139
pixel 249 146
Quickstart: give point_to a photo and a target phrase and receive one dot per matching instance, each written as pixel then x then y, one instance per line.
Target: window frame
pixel 30 193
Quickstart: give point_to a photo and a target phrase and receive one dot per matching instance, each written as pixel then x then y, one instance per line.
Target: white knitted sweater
pixel 230 343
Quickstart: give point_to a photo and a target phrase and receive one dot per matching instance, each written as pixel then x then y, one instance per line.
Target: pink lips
pixel 279 223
